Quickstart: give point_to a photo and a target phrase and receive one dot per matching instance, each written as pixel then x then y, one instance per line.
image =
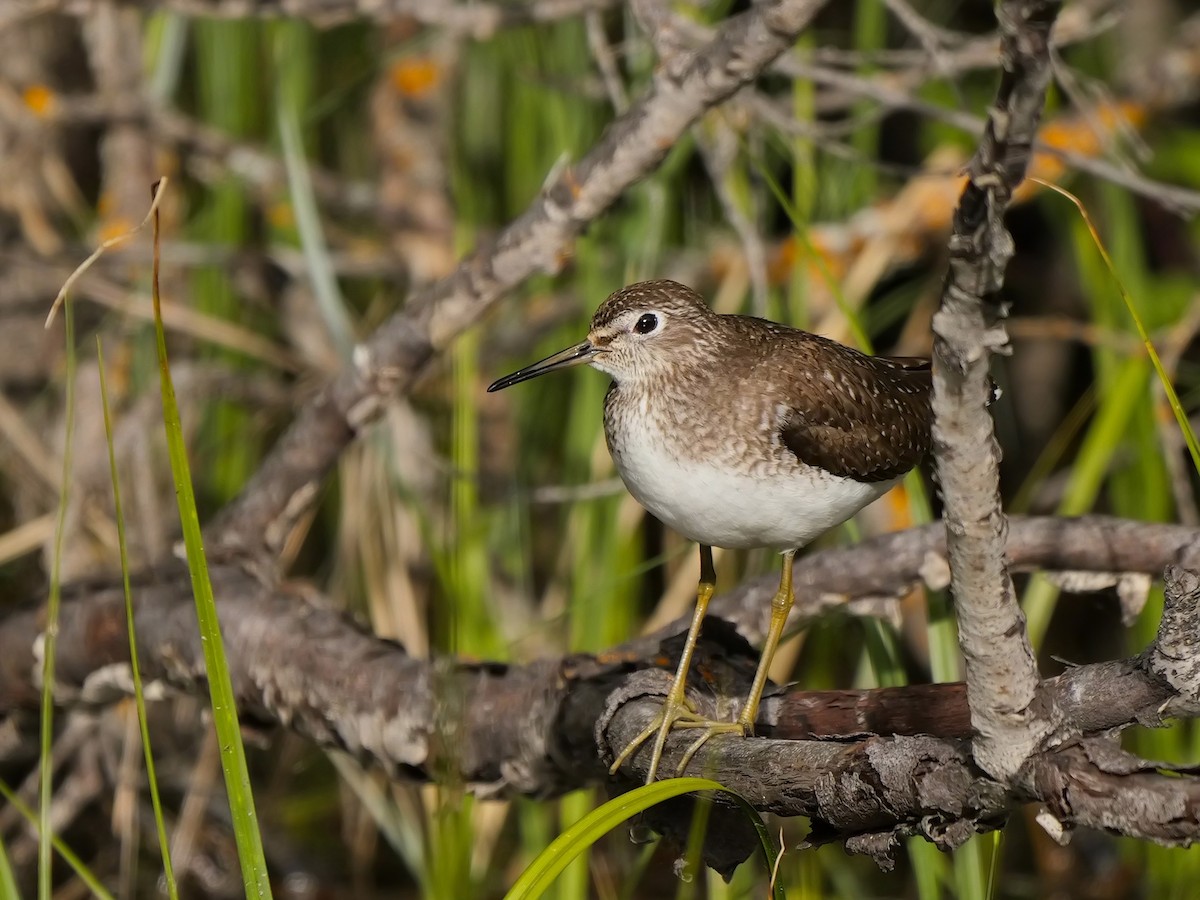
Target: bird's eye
pixel 646 324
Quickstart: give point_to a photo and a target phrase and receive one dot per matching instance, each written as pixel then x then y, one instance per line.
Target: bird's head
pixel 636 333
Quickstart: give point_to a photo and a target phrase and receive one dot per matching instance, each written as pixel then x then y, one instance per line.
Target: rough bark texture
pixel 1175 655
pixel 868 766
pixel 1002 674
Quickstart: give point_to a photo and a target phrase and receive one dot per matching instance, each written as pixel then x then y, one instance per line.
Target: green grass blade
pixel 166 45
pixel 135 668
pixel 801 235
pixel 968 871
pixel 78 866
pixel 1092 465
pixel 8 881
pixel 541 873
pixel 870 36
pixel 693 868
pixel 50 640
pixel 1177 409
pixel 930 867
pixel 312 239
pixel 993 881
pixel 574 881
pixel 224 707
pixel 293 54
pixel 53 602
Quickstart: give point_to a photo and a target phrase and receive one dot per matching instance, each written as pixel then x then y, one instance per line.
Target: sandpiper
pixel 741 433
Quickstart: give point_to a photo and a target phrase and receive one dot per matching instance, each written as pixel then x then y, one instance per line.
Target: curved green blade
pixel 541 873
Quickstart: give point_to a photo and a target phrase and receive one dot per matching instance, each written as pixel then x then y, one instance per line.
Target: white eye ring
pixel 646 324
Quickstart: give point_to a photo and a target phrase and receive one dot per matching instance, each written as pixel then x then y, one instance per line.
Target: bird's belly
pixel 721 507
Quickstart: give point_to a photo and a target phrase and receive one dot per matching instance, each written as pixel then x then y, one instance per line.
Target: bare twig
pixel 894 96
pixel 1002 678
pixel 1172 83
pixel 931 37
pixel 602 53
pixel 478 19
pixel 718 145
pixel 104 247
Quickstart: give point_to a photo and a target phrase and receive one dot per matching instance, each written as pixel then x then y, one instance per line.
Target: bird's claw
pixel 677 712
pixel 711 730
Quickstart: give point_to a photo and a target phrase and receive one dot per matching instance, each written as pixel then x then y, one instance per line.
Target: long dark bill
pixel 563 359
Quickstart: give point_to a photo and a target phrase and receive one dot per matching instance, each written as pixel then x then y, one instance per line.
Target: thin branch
pixel 1002 678
pixel 893 96
pixel 1171 83
pixel 478 19
pixel 889 566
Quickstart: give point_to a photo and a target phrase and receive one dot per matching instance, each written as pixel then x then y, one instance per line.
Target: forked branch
pixel 1002 677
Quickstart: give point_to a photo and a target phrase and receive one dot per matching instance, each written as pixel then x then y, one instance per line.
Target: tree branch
pixel 1002 678
pixel 548 726
pixel 480 20
pixel 1104 551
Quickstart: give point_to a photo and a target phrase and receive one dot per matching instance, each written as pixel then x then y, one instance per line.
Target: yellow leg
pixel 781 605
pixel 677 712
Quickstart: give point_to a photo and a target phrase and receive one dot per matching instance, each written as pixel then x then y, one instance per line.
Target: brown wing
pixel 865 417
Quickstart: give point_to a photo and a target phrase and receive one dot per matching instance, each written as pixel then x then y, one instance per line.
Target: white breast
pixel 716 504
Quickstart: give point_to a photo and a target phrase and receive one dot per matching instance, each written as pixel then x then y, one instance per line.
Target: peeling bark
pixel 1002 677
pixel 868 767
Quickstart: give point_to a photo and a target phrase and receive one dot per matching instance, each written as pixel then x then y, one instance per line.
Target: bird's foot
pixel 676 712
pixel 711 729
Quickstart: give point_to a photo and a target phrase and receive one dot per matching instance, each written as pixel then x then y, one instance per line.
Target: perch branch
pixel 546 726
